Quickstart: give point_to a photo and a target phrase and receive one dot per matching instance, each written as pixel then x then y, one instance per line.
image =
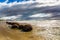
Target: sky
pixel 29 10
pixel 9 1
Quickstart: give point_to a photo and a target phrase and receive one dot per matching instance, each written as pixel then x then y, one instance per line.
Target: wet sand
pixel 38 32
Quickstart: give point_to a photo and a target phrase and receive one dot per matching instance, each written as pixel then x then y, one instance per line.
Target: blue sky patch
pixel 9 1
pixel 2 0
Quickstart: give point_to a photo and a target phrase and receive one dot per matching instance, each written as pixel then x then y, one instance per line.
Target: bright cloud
pixel 44 3
pixel 41 15
pixel 10 17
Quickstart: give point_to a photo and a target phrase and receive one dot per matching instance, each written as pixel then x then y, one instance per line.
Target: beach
pixel 39 32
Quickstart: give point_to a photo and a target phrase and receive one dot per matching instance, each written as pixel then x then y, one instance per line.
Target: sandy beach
pixel 38 32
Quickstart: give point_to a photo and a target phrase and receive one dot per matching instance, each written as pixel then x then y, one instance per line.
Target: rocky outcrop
pixel 23 26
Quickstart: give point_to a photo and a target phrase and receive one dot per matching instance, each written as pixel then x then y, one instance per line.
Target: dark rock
pixel 26 28
pixel 10 23
pixel 13 27
pixel 23 26
pixel 20 26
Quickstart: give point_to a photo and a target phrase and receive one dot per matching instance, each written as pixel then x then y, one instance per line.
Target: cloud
pixel 10 17
pixel 41 15
pixel 30 10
